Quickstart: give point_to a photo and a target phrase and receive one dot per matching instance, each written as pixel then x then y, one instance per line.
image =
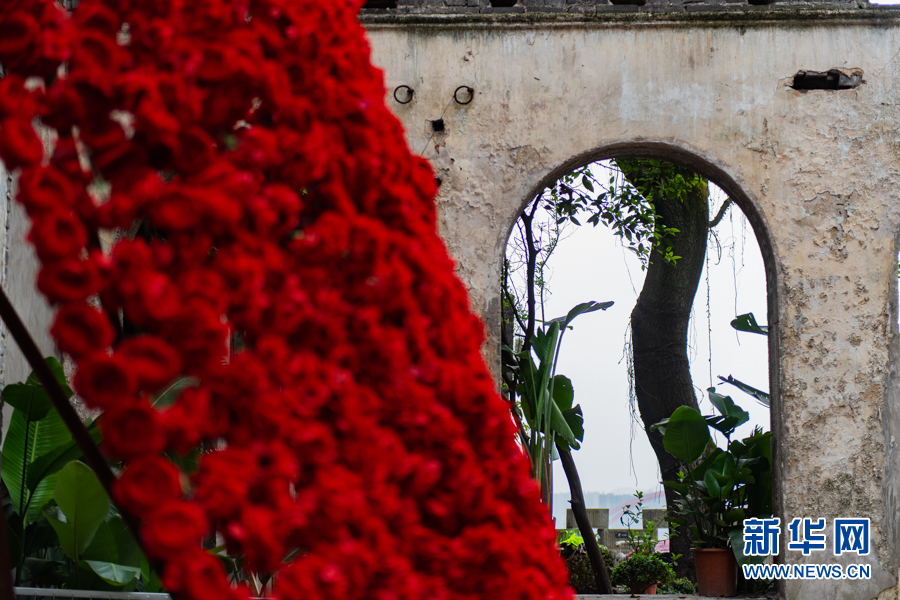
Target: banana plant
pixel 61 527
pixel 546 398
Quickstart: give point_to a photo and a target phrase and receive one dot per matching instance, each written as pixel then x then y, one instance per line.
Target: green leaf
pixel 57 369
pixel 584 307
pixel 32 400
pixel 733 415
pixel 748 323
pixel 575 419
pixel 83 501
pixel 42 437
pixel 686 434
pixel 103 547
pixel 64 531
pixel 171 393
pixel 563 392
pixel 560 426
pixel 761 396
pixel 587 183
pixel 712 485
pixel 112 573
pixel 58 458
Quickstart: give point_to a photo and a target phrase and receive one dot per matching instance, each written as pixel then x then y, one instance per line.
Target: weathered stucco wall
pixel 816 172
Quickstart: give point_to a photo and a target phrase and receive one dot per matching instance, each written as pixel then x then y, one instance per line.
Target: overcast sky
pixel 591 265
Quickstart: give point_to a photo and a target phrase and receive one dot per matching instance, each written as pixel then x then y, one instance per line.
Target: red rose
pixel 80 329
pixel 104 381
pixel 19 143
pixel 18 31
pixel 43 189
pixel 68 280
pixel 199 575
pixel 57 234
pixel 148 482
pixel 132 430
pixel 217 489
pixel 173 528
pixel 195 150
pixel 154 362
pixel 188 421
pixel 15 100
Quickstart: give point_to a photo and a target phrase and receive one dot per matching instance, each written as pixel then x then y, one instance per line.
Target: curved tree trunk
pixel 659 330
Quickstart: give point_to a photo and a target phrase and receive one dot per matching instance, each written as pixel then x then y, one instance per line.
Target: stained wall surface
pixel 816 172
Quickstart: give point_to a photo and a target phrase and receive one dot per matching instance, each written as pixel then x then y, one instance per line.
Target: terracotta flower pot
pixel 638 589
pixel 716 571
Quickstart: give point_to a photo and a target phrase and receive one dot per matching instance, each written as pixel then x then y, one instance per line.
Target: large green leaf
pixel 563 392
pixel 732 414
pixel 56 459
pixel 560 426
pixel 32 400
pixel 748 323
pixel 575 418
pixel 83 501
pixel 686 434
pixel 43 437
pixel 57 369
pixel 112 573
pixel 584 307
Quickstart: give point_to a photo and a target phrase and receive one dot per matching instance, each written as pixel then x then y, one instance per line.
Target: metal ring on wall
pixel 469 90
pixel 409 94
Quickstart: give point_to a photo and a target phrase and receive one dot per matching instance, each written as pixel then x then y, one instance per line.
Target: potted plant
pixel 718 492
pixel 643 569
pixel 641 573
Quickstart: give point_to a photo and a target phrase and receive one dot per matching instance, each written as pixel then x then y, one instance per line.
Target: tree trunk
pixel 659 330
pixel 604 586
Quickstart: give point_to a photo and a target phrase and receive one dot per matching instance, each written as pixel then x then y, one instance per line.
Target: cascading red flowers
pixel 358 428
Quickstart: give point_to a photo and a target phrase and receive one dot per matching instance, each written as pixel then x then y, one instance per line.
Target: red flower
pixel 43 189
pixel 69 280
pixel 80 329
pixel 19 143
pixel 132 429
pixel 199 575
pixel 282 251
pixel 104 381
pixel 18 31
pixel 148 482
pixel 173 528
pixel 154 362
pixel 58 234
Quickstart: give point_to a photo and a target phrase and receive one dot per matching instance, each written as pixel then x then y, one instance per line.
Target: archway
pixel 654 399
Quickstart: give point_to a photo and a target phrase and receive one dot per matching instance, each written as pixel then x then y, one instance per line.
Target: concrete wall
pixel 816 173
pixel 18 272
pixel 376 7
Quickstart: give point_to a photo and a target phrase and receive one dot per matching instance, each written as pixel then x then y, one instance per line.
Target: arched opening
pixel 618 443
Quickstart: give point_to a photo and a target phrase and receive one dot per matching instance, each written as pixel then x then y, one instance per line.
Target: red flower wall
pixel 360 423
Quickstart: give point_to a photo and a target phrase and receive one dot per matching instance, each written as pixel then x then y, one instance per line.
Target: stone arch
pixel 719 173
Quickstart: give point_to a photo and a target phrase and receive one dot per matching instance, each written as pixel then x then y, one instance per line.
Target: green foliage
pixel 640 571
pixel 677 586
pixel 726 486
pixel 641 539
pixel 544 398
pixel 626 207
pixel 62 529
pixel 581 574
